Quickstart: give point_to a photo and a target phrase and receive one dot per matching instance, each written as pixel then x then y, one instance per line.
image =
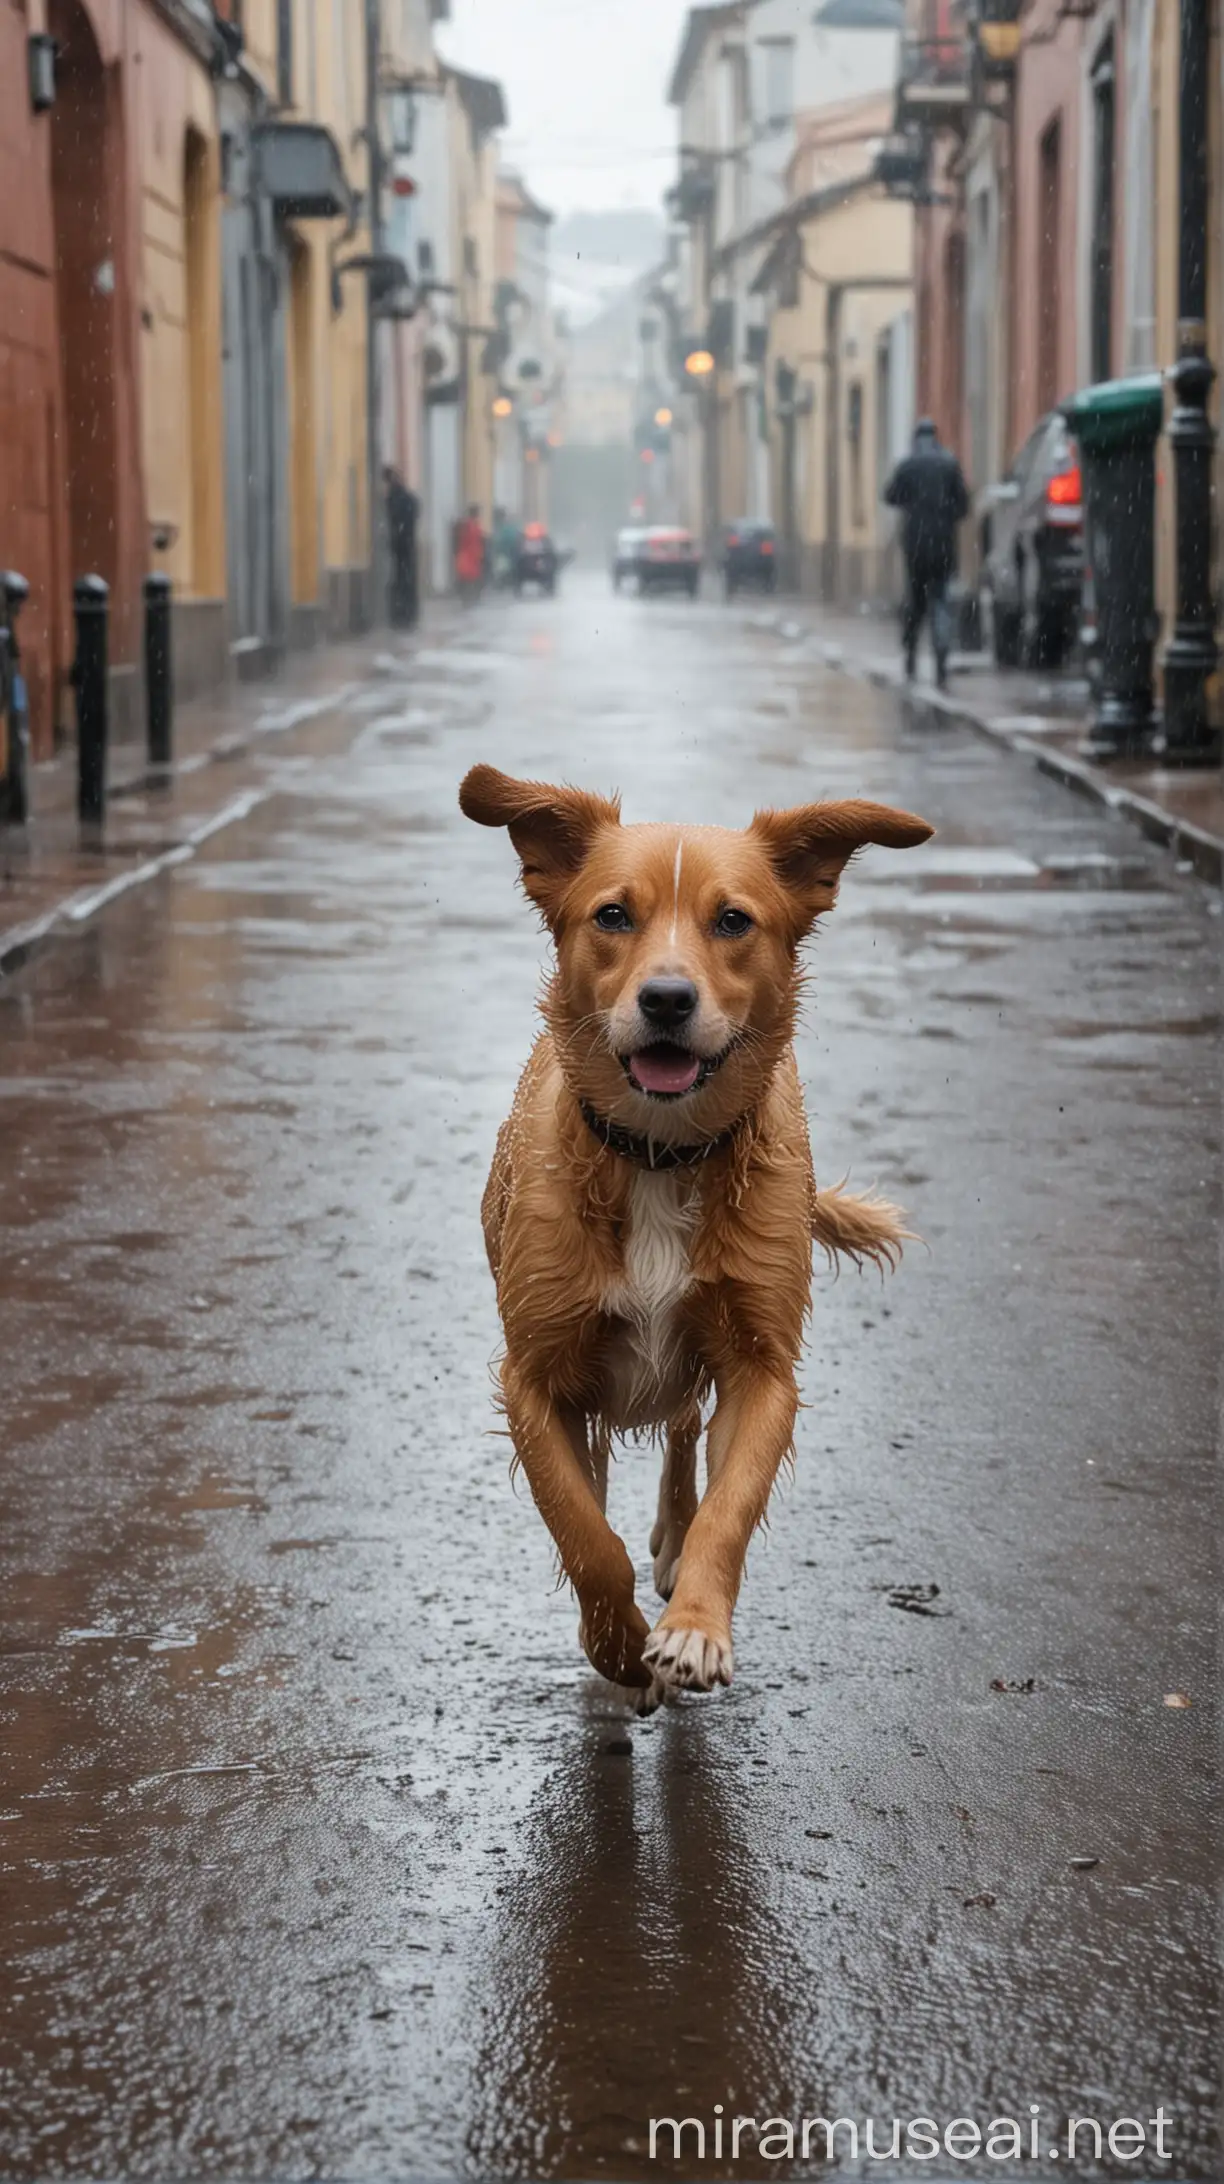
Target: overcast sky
pixel 585 81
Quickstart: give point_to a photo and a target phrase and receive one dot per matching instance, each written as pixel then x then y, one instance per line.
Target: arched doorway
pixel 86 173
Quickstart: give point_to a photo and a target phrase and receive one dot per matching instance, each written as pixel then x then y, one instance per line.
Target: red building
pixel 71 499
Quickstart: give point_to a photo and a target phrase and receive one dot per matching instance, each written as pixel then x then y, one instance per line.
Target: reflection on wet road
pixel 323 1853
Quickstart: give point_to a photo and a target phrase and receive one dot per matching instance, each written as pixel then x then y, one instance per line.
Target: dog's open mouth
pixel 666 1072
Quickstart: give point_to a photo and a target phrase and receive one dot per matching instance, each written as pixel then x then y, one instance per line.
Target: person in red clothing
pixel 470 555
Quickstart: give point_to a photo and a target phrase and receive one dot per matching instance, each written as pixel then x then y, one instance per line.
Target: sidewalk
pixel 52 878
pixel 1042 717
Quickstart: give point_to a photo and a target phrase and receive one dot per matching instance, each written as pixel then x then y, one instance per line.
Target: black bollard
pixel 90 603
pixel 159 695
pixel 6 672
pixel 15 791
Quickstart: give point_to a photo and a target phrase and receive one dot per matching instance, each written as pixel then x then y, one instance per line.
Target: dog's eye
pixel 612 917
pixel 732 924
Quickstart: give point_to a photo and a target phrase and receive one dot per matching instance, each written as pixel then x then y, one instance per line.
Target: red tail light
pixel 766 545
pixel 733 538
pixel 1066 490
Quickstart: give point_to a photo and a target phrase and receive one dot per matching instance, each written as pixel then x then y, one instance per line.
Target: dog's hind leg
pixel 677 1500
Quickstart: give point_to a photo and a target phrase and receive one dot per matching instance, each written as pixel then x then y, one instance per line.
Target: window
pixel 401 115
pixel 854 434
pixel 778 55
pixel 284 52
pixel 789 268
pixel 1101 265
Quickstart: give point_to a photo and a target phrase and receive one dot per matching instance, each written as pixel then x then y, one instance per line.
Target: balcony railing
pixel 692 194
pixel 902 164
pixel 933 82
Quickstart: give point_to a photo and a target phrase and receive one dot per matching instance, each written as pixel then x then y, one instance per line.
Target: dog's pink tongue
pixel 664 1069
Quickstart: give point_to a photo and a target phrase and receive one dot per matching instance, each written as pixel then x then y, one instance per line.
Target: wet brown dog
pixel 651 1208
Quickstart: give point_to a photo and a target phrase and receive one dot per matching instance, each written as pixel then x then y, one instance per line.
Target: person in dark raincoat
pixel 403 513
pixel 928 487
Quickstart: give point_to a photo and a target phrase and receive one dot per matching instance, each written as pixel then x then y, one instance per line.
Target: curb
pixel 1191 844
pixel 21 942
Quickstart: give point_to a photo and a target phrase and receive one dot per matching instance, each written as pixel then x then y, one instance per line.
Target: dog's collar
pixel 651 1152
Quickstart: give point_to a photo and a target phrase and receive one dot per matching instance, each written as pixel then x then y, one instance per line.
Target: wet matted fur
pixel 652 1205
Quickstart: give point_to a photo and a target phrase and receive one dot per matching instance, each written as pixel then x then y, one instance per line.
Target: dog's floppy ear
pixel 551 828
pixel 811 845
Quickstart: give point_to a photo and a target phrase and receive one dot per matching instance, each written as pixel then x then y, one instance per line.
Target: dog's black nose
pixel 667 1001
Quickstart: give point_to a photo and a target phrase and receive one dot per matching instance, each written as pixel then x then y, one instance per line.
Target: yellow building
pixel 180 318
pixel 836 277
pixel 318 74
pixel 476 111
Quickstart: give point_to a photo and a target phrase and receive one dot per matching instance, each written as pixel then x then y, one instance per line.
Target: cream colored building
pixel 476 112
pixel 837 279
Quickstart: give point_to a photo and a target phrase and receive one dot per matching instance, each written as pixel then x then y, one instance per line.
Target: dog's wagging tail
pixel 652 1205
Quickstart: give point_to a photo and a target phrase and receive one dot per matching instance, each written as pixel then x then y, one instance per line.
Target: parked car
pixel 668 559
pixel 1033 572
pixel 749 557
pixel 626 555
pixel 536 561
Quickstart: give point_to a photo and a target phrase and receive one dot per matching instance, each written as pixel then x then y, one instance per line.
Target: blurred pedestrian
pixel 506 540
pixel 403 514
pixel 928 486
pixel 470 556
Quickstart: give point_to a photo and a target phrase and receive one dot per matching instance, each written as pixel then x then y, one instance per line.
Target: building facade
pixel 1044 146
pixel 752 83
pixel 225 302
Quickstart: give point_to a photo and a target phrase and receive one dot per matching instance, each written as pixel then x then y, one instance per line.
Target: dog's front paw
pixel 688 1660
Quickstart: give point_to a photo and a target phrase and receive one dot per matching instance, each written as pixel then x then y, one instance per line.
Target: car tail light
pixel 733 538
pixel 766 545
pixel 1066 490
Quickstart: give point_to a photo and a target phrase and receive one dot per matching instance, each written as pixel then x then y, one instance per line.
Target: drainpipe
pixel 831 557
pixel 1191 653
pixel 374 181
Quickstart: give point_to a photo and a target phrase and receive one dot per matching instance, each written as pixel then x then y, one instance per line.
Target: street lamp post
pixel 702 370
pixel 1191 653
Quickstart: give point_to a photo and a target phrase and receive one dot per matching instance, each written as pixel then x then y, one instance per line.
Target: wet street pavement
pixel 324 1853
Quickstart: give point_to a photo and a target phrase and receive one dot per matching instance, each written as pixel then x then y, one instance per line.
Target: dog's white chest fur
pixel 657 1276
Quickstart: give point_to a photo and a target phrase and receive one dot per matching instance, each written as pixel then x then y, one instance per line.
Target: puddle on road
pixel 1161 1027
pixel 973 869
pixel 456 659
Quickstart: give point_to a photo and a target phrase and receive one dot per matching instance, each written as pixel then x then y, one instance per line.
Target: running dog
pixel 651 1208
